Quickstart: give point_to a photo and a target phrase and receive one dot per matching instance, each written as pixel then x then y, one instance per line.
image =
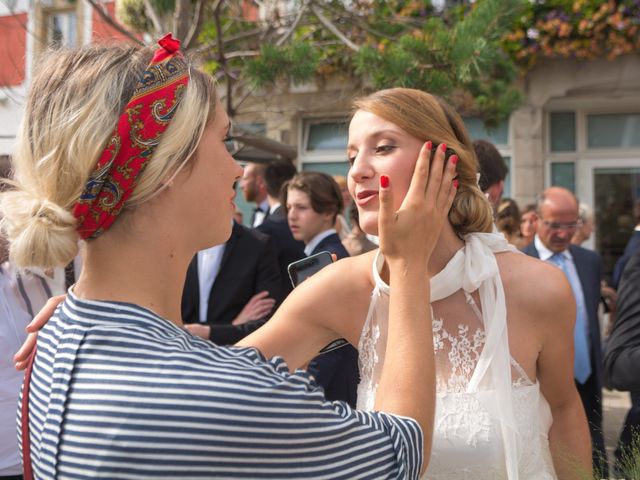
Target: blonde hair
pixel 428 117
pixel 73 106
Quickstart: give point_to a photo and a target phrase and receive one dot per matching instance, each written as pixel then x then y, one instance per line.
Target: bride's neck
pixel 446 247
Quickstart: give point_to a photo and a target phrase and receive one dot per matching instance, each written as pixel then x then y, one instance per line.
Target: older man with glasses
pixel 557 211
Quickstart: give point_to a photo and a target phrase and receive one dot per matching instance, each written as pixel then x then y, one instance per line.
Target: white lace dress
pixel 491 420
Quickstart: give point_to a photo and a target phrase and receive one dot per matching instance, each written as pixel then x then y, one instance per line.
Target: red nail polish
pixel 453 159
pixel 455 184
pixel 443 147
pixel 429 145
pixel 384 181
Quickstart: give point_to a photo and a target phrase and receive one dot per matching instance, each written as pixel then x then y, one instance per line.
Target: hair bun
pixel 40 232
pixel 52 215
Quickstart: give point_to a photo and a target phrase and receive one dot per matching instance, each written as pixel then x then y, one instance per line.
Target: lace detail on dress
pixel 368 359
pixel 462 417
pixel 463 349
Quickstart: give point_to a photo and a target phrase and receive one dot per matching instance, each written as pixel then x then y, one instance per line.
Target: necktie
pixel 581 362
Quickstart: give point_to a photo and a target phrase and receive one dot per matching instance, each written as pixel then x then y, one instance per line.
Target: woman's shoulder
pixel 532 283
pixel 358 267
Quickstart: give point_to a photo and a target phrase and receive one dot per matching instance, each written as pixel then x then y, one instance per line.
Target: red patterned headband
pixel 140 128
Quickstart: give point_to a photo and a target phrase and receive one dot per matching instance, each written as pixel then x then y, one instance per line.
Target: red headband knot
pixel 132 143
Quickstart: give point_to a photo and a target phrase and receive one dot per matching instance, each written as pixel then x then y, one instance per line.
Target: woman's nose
pixel 361 168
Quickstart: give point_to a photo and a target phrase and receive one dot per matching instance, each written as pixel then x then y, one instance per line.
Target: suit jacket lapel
pixel 236 232
pixel 191 293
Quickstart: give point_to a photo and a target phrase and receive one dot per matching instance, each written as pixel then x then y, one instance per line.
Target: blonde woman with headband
pixel 123 147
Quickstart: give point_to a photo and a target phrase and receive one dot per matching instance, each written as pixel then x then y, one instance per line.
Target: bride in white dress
pixel 506 403
pixel 504 387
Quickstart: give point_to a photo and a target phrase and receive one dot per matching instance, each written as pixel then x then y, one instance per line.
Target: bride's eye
pixel 385 148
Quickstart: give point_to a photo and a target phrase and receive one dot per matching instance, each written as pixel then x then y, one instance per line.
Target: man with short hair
pixel 493 171
pixel 288 249
pixel 254 189
pixel 557 222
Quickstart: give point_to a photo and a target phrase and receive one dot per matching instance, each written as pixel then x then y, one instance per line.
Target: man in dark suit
pixel 622 358
pixel 242 270
pixel 313 200
pixel 557 221
pixel 632 246
pixel 288 249
pixel 254 190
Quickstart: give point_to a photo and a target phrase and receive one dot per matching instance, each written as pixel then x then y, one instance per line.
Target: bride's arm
pixel 331 304
pixel 569 434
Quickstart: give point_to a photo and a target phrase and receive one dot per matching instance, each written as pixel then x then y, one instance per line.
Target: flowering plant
pixel 581 29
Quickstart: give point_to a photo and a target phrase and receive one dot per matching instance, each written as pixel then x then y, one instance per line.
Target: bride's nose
pixel 361 168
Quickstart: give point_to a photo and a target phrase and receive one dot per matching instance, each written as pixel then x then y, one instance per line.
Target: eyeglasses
pixel 560 226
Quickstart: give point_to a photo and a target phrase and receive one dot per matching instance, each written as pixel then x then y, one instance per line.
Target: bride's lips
pixel 365 196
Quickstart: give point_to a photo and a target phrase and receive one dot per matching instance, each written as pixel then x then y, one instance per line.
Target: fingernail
pixel 453 159
pixel 443 147
pixel 429 145
pixel 455 184
pixel 384 181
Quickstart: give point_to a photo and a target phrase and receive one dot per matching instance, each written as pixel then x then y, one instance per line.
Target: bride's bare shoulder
pixel 531 283
pixel 360 265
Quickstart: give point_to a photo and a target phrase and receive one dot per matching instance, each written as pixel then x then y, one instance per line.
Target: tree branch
pixel 221 57
pixel 181 14
pixel 113 23
pixel 357 20
pixel 196 24
pixel 242 53
pixel 294 25
pixel 153 16
pixel 333 29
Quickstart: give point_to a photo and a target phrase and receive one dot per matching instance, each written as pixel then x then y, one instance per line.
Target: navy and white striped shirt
pixel 118 392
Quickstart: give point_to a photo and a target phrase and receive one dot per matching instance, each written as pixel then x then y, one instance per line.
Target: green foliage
pixel 449 60
pixel 629 465
pixel 297 61
pixel 132 13
pixel 456 54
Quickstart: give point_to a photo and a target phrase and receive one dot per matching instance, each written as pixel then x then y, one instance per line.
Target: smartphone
pixel 303 269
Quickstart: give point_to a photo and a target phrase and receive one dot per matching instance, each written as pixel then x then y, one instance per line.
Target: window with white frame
pixel 323 145
pixel 61 28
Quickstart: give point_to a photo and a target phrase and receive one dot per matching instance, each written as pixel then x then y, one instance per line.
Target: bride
pixel 506 403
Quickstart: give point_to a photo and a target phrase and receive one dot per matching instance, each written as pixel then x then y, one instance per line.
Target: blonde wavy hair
pixel 428 117
pixel 73 107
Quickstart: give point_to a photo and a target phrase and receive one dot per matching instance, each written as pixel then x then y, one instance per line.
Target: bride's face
pixel 378 147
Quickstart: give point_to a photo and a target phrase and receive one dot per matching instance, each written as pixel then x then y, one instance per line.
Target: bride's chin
pixel 369 224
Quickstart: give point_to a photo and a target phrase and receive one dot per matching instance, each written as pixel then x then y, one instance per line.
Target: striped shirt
pixel 119 392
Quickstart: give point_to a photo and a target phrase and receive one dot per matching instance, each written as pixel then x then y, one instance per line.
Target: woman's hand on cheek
pixel 411 232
